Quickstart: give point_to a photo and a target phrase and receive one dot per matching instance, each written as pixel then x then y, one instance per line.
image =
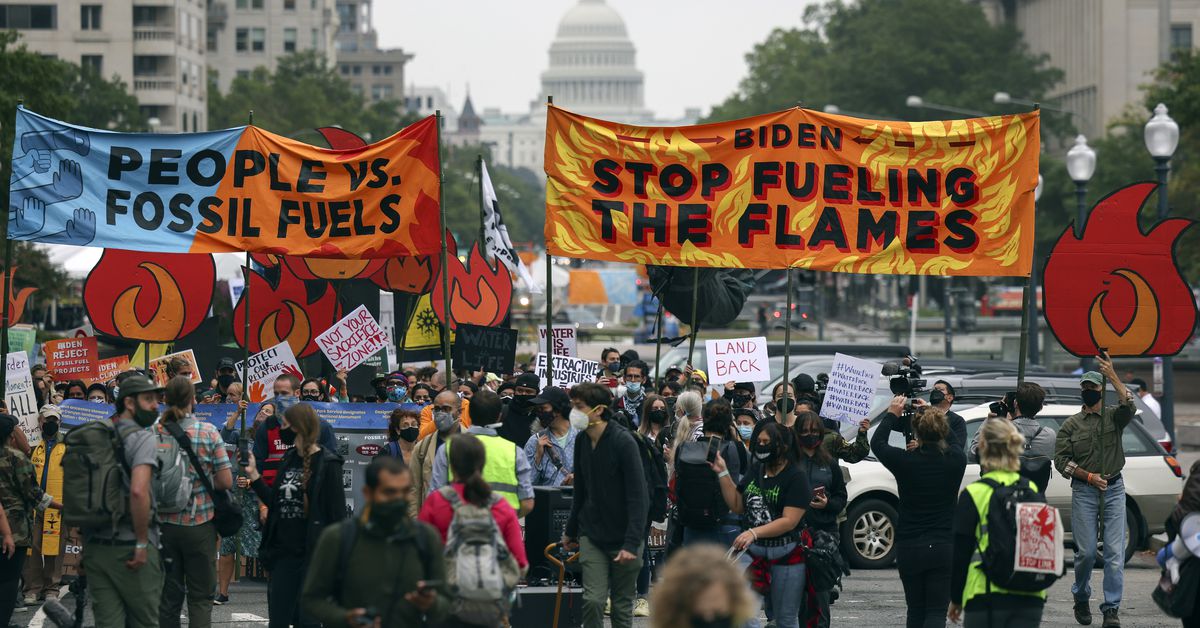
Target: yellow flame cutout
pixel 1142 330
pixel 167 322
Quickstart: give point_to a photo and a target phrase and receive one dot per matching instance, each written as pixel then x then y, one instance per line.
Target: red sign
pixel 72 358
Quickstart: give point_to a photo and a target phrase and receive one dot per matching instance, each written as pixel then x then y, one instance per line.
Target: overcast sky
pixel 691 51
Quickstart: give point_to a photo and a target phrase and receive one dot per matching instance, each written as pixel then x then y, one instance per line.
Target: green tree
pixel 871 55
pixel 522 197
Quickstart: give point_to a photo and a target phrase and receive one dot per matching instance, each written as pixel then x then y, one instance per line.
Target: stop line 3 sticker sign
pixel 737 360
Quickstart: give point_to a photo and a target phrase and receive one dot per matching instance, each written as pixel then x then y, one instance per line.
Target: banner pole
pixel 695 330
pixel 7 290
pixel 400 326
pixel 787 339
pixel 245 336
pixel 549 302
pixel 1024 350
pixel 658 381
pixel 146 357
pixel 445 265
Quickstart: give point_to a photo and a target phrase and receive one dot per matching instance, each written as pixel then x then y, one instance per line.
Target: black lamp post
pixel 1162 137
pixel 1081 165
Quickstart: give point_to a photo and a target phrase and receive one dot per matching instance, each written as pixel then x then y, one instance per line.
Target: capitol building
pixel 593 71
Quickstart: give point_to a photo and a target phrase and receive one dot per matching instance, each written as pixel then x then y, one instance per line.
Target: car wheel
pixel 869 534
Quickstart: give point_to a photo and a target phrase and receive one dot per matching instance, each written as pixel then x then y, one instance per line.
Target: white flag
pixel 496 243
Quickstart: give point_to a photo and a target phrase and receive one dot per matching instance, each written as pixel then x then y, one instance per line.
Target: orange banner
pixel 797 188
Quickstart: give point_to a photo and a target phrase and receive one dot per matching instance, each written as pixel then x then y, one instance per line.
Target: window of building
pixel 250 4
pixel 381 92
pixel 289 5
pixel 387 70
pixel 315 39
pixel 211 41
pixel 145 65
pixel 289 40
pixel 89 17
pixel 356 70
pixel 242 40
pixel 94 63
pixel 357 89
pixel 1181 37
pixel 183 121
pixel 243 73
pixel 195 121
pixel 344 69
pixel 29 16
pixel 375 70
pixel 429 102
pixel 258 39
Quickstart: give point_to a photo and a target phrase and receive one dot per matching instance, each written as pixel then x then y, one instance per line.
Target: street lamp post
pixel 1034 356
pixel 1081 165
pixel 916 102
pixel 1162 137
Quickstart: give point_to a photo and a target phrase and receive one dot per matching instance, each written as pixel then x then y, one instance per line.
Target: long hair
pixel 180 397
pixel 687 575
pixel 467 457
pixel 810 421
pixel 931 427
pixel 304 422
pixel 647 405
pixel 784 435
pixel 1000 446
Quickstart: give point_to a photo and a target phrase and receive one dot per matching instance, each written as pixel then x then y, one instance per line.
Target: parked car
pixel 1153 481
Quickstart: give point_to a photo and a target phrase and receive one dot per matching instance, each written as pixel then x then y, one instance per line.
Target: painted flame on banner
pixel 285 312
pixel 149 297
pixel 479 294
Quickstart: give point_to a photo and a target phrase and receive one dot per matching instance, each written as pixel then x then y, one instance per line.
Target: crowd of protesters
pixel 746 499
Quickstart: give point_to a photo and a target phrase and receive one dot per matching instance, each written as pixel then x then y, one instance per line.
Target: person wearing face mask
pixel 610 368
pixel 464 411
pixel 226 375
pixel 44 566
pixel 307 497
pixel 391 388
pixel 772 499
pixel 654 414
pixel 421 394
pixel 701 589
pixel 273 440
pixel 1088 451
pixel 551 452
pixel 698 502
pixel 631 401
pixel 744 421
pixel 311 390
pixel 403 431
pixel 446 419
pixel 391 558
pixel 20 496
pixel 942 398
pixel 518 416
pixel 829 495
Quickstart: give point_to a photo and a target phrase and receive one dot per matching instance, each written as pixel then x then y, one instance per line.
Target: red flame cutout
pixel 479 294
pixel 284 312
pixel 149 297
pixel 1117 288
pixel 415 275
pixel 16 304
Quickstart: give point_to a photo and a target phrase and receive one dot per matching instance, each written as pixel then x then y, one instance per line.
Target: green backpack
pixel 95 475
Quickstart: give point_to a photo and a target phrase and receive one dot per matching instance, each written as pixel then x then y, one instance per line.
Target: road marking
pixel 248 617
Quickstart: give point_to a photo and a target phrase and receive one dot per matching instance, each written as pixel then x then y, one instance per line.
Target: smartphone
pixel 714 445
pixel 819 492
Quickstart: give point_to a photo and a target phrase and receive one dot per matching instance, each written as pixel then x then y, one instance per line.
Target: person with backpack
pixel 189 538
pixel 987 604
pixel 829 499
pixel 507 469
pixel 20 495
pixel 928 473
pixel 482 536
pixel 611 510
pixel 699 506
pixel 1089 452
pixel 1037 456
pixel 381 564
pixel 306 497
pixel 116 520
pixel 44 567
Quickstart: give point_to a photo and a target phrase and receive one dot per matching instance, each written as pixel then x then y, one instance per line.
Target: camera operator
pixel 1037 454
pixel 927 477
pixel 942 397
pixel 1089 452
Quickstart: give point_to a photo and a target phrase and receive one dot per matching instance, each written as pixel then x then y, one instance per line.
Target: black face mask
pixel 766 453
pixel 1090 397
pixel 658 417
pixel 287 436
pixel 742 401
pixel 223 381
pixel 545 417
pixel 810 441
pixel 310 398
pixel 936 397
pixel 785 405
pixel 380 392
pixel 720 621
pixel 410 433
pixel 49 429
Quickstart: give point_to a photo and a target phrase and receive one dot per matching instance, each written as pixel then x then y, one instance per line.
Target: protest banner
pixel 796 189
pixel 566 340
pixel 23 338
pixel 737 360
pixel 108 369
pixel 352 340
pixel 72 358
pixel 158 367
pixel 19 395
pixel 241 189
pixel 567 371
pixel 489 349
pixel 265 367
pixel 850 394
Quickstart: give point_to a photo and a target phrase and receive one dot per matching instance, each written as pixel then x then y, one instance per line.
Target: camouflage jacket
pixel 19 494
pixel 850 451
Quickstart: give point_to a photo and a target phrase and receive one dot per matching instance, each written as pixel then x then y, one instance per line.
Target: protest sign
pixel 796 188
pixel 241 189
pixel 567 371
pixel 72 358
pixel 108 369
pixel 737 360
pixel 850 395
pixel 489 349
pixel 566 341
pixel 22 338
pixel 19 395
pixel 158 367
pixel 352 340
pixel 265 367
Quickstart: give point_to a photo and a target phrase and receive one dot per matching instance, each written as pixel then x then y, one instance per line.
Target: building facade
pixel 246 34
pixel 374 73
pixel 157 47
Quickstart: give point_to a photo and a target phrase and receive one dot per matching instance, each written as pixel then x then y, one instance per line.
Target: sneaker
pixel 608 607
pixel 641 608
pixel 1083 614
pixel 1111 619
pixel 220 599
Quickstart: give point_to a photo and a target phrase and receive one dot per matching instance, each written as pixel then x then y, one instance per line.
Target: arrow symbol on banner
pixel 863 140
pixel 709 140
pixel 630 138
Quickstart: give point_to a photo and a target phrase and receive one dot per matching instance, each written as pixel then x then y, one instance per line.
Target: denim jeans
pixel 787 587
pixel 1085 513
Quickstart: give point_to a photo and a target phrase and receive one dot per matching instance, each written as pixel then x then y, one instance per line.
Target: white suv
pixel 1153 482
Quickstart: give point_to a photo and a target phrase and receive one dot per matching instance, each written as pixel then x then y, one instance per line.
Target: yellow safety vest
pixel 500 468
pixel 51 518
pixel 981 494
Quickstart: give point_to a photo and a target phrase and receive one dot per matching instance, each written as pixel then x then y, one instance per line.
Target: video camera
pixel 905 378
pixel 1005 406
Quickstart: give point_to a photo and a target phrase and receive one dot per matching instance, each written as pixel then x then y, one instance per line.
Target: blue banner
pixel 342 416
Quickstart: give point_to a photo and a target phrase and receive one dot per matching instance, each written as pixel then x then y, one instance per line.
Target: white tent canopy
pixel 78 261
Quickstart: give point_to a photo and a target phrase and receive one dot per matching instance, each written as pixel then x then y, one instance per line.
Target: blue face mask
pixel 396 393
pixel 283 402
pixel 745 431
pixel 634 388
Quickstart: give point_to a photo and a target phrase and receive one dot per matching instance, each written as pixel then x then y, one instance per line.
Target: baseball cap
pixel 554 396
pixel 50 410
pixel 701 374
pixel 492 377
pixel 529 380
pixel 1093 377
pixel 225 363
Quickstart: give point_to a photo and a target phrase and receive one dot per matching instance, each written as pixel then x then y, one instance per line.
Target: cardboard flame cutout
pixel 1117 288
pixel 285 312
pixel 415 275
pixel 479 294
pixel 149 297
pixel 16 304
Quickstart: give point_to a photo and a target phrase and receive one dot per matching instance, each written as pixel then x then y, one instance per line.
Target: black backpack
pixel 654 468
pixel 698 499
pixel 999 559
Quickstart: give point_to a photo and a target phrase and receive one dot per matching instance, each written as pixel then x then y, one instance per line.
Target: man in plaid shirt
pixel 189 539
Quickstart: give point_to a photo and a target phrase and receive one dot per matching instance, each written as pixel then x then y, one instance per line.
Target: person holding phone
pixel 698 503
pixel 829 493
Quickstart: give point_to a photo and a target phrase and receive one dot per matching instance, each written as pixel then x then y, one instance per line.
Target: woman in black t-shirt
pixel 772 498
